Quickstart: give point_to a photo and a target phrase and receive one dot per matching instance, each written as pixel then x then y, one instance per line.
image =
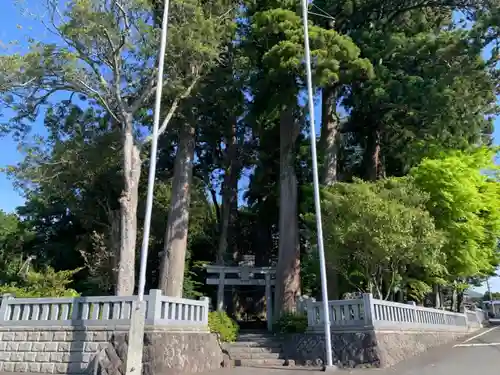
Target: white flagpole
pixel 317 204
pixel 137 321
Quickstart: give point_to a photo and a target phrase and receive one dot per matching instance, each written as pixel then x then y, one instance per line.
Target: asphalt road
pixel 479 353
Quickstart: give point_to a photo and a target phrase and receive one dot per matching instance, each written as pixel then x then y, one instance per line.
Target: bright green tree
pixel 465 204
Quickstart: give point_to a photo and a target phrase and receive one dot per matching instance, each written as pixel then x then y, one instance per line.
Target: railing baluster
pixel 65 311
pixel 26 312
pixel 45 312
pixel 105 311
pixel 16 314
pixel 54 311
pixel 85 311
pixel 35 312
pixel 94 311
pixel 117 308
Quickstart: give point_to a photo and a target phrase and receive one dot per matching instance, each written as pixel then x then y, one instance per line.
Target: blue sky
pixel 16 27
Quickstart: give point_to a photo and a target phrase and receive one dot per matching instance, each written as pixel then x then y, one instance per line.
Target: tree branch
pixel 213 195
pixel 173 108
pixel 147 91
pixel 91 91
pixel 116 68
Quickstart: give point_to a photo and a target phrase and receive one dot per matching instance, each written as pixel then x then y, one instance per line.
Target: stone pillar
pixel 153 313
pixel 269 303
pixel 369 310
pixel 220 291
pixel 136 338
pixel 206 310
pixel 4 305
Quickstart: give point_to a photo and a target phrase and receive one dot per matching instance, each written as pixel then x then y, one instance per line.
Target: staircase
pixel 257 349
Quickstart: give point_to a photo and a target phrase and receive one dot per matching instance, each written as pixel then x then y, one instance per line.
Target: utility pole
pixel 492 308
pixel 138 316
pixel 489 289
pixel 317 203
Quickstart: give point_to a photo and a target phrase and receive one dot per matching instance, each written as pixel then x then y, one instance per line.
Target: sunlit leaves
pixel 334 57
pixel 465 204
pixel 377 231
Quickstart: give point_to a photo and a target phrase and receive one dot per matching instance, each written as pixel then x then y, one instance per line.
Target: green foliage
pixel 465 203
pixel 432 90
pixel 309 267
pixel 13 233
pixel 375 232
pixel 17 279
pixel 412 80
pixel 219 322
pixel 335 56
pixel 291 323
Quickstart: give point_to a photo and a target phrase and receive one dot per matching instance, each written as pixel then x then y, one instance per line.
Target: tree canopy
pixel 407 92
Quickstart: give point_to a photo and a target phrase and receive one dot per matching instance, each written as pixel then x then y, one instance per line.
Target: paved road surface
pixel 477 354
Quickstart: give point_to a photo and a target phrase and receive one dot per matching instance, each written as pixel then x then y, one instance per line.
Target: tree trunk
pixel 437 296
pixel 172 266
pixel 128 211
pixel 114 246
pixel 453 299
pixel 372 157
pixel 288 267
pixel 460 300
pixel 329 140
pixel 329 146
pixel 263 238
pixel 229 195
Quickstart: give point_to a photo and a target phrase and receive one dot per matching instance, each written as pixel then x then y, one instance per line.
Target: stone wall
pixel 165 352
pixel 59 350
pixel 53 350
pixel 394 347
pixel 368 348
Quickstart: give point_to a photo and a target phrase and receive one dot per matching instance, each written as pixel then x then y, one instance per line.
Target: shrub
pixel 291 323
pixel 219 322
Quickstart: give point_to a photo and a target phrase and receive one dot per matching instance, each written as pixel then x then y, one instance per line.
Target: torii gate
pixel 245 275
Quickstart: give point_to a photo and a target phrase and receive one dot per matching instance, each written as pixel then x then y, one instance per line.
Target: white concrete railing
pixel 102 311
pixel 343 313
pixel 390 315
pixel 476 318
pixel 367 312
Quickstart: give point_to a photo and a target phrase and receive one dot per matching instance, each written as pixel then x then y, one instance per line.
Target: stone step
pixel 261 362
pixel 254 355
pixel 255 344
pixel 257 339
pixel 256 334
pixel 253 349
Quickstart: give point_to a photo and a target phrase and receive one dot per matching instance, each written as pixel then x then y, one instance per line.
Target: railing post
pixel 369 310
pixel 153 311
pixel 269 303
pixel 302 304
pixel 4 305
pixel 413 311
pixel 311 313
pixel 479 318
pixel 206 309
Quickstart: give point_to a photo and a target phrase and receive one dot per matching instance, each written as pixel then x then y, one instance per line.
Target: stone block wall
pixel 166 353
pixel 54 350
pixel 349 349
pixel 64 350
pixel 364 348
